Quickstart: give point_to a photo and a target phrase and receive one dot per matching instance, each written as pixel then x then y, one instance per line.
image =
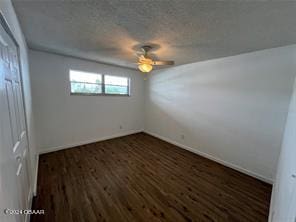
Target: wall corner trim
pixel 36 176
pixel 208 156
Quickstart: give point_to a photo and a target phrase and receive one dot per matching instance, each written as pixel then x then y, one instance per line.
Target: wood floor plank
pixel 142 178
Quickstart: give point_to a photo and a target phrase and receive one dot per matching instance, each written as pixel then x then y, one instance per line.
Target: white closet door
pixel 14 158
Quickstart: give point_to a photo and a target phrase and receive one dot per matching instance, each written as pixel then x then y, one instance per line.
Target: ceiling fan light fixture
pixel 145 67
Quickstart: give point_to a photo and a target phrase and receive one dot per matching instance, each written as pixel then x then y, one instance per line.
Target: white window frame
pixel 103 93
pixel 114 94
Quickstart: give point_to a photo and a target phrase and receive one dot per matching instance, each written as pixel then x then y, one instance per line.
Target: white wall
pixel 64 120
pixel 231 109
pixel 8 12
pixel 283 207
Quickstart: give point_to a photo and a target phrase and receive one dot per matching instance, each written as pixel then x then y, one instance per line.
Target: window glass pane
pixel 111 89
pixel 115 80
pixel 79 76
pixel 88 88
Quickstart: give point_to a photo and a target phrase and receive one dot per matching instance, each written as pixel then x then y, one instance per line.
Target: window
pixel 116 85
pixel 85 83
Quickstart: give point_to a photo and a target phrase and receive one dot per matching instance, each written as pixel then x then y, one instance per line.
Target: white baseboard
pixel 36 176
pixel 193 150
pixel 208 156
pixel 52 149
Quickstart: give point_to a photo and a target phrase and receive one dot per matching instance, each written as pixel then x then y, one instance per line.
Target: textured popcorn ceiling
pixel 184 31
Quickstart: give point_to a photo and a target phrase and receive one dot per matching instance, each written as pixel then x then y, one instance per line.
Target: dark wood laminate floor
pixel 141 178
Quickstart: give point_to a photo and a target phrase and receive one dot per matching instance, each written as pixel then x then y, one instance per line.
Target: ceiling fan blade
pixel 141 57
pixel 163 63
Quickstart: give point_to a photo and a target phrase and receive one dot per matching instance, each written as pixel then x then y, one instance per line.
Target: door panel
pixel 16 107
pixel 12 114
pixel 14 158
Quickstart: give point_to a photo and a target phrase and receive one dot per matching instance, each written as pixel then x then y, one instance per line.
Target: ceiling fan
pixel 146 63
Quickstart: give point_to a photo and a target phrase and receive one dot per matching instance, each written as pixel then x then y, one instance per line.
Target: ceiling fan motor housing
pixel 146 48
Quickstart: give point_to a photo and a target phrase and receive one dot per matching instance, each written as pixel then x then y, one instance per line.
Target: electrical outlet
pixel 182 136
pixel 120 127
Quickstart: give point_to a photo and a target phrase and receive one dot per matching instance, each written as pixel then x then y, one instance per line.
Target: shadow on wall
pixel 234 113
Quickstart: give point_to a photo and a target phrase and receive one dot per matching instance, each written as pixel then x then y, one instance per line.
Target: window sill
pixel 99 94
